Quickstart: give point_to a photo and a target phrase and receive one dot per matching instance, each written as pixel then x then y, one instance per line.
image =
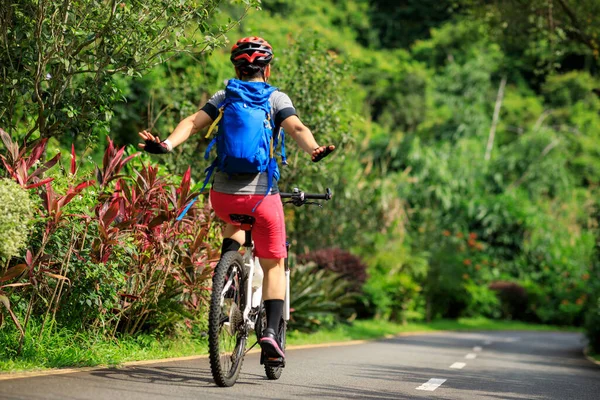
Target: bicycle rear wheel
pixel 226 331
pixel 274 371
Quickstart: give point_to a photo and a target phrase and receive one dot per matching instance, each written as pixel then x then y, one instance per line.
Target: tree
pixel 546 32
pixel 58 58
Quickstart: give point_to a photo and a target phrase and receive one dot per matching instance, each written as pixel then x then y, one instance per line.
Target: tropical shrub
pixel 15 217
pixel 319 298
pixel 395 283
pixel 480 301
pixel 110 258
pixel 342 262
pixel 513 299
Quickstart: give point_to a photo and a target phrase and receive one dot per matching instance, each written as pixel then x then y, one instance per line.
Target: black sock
pixel 229 245
pixel 274 310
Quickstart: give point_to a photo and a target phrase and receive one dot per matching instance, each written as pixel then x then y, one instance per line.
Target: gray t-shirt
pixel 244 184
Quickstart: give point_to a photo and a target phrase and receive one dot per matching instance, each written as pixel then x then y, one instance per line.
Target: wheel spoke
pixel 227 340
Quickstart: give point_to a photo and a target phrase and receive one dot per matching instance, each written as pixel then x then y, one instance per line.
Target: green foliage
pixel 592 326
pixel 395 282
pixel 400 24
pixel 411 114
pixel 342 262
pixel 58 59
pixel 539 35
pixel 15 216
pixel 568 89
pixel 482 302
pixel 319 298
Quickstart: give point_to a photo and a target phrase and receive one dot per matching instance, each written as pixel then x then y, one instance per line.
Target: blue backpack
pixel 245 136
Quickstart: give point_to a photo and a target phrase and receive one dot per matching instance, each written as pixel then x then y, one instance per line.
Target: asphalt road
pixel 486 365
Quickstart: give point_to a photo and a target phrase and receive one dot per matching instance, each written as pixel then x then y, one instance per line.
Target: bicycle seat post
pixel 246 222
pixel 248 230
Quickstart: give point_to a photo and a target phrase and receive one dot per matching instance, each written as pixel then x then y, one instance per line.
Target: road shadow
pixel 165 375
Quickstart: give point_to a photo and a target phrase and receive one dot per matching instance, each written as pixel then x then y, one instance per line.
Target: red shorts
pixel 268 231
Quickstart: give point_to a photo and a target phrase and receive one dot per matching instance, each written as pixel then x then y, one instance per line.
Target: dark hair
pixel 251 71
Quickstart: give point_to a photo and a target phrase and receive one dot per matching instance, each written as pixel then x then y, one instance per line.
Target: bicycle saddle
pixel 242 219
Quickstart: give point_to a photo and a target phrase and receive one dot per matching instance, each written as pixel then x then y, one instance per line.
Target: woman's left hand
pixel 321 152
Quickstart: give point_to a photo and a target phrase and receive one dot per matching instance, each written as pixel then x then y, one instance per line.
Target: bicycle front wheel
pixel 226 331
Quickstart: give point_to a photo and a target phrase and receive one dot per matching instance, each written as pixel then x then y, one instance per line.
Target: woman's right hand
pixel 152 144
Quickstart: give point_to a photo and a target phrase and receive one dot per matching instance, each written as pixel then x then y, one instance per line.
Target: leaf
pixel 29 258
pixel 40 183
pixel 56 276
pixel 6 139
pixel 111 213
pixel 47 165
pixel 113 166
pixel 72 192
pixel 12 147
pixel 73 160
pixel 48 199
pixel 158 220
pixel 99 177
pixel 6 303
pixel 129 158
pixel 8 167
pixel 185 183
pixel 13 272
pixel 36 153
pixel 108 154
pixel 19 284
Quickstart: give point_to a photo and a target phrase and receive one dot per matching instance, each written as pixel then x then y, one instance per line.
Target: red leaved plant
pixel 18 164
pixel 167 259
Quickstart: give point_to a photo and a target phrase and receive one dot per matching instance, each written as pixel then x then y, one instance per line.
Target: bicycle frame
pixel 251 262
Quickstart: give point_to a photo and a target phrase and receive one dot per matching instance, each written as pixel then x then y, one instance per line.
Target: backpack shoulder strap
pixel 213 126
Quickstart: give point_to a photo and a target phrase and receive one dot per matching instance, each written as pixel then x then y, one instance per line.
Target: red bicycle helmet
pixel 251 50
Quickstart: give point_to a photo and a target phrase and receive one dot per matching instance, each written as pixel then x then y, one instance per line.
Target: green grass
pixel 70 349
pixel 373 329
pixel 65 348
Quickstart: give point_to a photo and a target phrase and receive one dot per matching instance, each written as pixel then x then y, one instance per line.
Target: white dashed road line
pixel 434 383
pixel 431 384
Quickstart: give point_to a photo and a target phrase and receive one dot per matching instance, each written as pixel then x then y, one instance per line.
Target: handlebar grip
pixel 314 196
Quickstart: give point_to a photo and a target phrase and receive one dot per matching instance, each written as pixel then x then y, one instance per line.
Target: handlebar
pixel 299 198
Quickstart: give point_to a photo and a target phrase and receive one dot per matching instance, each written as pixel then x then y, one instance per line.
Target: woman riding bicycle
pixel 240 193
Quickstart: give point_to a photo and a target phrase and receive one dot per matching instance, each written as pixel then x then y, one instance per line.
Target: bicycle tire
pixel 225 320
pixel 274 373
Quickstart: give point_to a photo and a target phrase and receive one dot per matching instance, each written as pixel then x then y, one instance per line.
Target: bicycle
pixel 236 303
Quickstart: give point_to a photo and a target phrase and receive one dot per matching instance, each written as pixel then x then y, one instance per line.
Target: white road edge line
pixel 477 349
pixel 471 356
pixel 487 342
pixel 431 384
pixel 458 365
